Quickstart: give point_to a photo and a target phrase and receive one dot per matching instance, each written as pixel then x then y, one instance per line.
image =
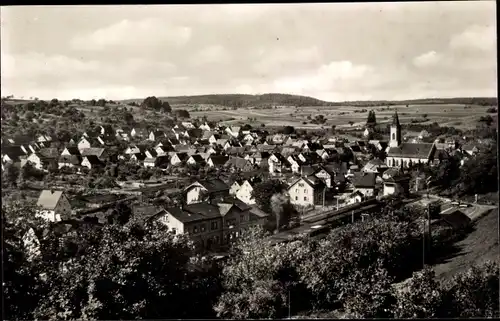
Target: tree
pixel 333 129
pixel 166 107
pixel 422 297
pixel 351 123
pixel 10 174
pixel 128 117
pixel 371 121
pixel 101 102
pixel 182 113
pixel 259 279
pixel 263 192
pixel 287 130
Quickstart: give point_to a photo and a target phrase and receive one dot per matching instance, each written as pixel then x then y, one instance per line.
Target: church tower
pixel 395 140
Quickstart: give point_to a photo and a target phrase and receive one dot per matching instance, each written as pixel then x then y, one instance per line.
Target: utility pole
pixel 337 203
pixel 429 241
pixel 324 194
pixel 289 303
pixel 352 216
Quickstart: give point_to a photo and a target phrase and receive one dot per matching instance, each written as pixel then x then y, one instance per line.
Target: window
pixel 236 233
pixel 195 229
pixel 305 191
pixel 393 136
pixel 301 184
pixel 174 230
pixel 297 190
pixel 305 198
pixel 213 226
pixel 202 228
pixel 243 218
pixel 296 198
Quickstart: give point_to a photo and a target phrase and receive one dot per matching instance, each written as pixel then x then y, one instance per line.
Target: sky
pixel 333 52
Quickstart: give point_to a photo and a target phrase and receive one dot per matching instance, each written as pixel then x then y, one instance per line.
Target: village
pixel 205 176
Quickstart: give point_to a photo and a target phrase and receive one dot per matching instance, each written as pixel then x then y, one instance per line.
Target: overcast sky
pixel 333 52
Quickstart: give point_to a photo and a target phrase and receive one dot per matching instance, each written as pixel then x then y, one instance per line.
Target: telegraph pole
pixel 324 194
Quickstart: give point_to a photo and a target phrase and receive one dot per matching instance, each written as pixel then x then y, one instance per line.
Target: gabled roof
pixel 13 151
pixel 312 181
pixel 237 162
pixel 455 218
pixel 219 160
pixel 48 199
pixel 70 159
pixel 92 151
pixel 93 159
pixel 198 158
pixel 213 185
pixel 413 150
pixel 73 150
pixel 182 156
pixel 48 153
pixel 364 180
pixel 200 211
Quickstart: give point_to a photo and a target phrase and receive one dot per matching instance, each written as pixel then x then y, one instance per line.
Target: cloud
pixel 276 59
pixel 334 75
pixel 427 59
pixel 133 33
pixel 211 55
pixel 475 37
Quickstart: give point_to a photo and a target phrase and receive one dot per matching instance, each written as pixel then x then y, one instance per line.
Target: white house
pixel 233 131
pixel 205 126
pixel 306 191
pixel 53 206
pixel 244 193
pixel 83 143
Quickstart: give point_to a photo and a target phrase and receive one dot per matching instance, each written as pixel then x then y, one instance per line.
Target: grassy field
pixel 479 246
pixel 446 115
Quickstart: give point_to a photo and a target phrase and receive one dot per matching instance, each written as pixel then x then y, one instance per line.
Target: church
pixel 401 154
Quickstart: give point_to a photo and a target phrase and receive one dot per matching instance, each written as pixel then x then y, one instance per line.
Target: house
pixel 217 160
pixel 161 161
pixel 233 131
pixel 239 164
pixel 205 126
pixel 187 125
pixel 156 134
pixel 295 163
pixel 138 132
pixel 70 150
pixel 306 191
pixel 84 143
pixel 196 159
pixel 454 218
pixel 277 163
pixel 406 154
pixel 151 153
pixel 212 224
pixel 91 161
pixel 470 149
pixel 423 134
pixel 44 157
pixel 100 153
pixel 248 138
pixel 278 138
pixel 235 186
pixel 164 149
pixel 323 154
pixel 201 190
pixel 69 161
pixel 178 158
pixel 12 154
pixel 326 175
pixel 368 131
pixel 53 206
pixel 364 183
pixel 396 182
pixel 138 158
pixel 210 137
pixel 244 193
pixel 355 197
pixel 375 165
pixel 43 138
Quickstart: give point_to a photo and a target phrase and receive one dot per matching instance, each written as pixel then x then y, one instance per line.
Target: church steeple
pixel 395 119
pixel 395 140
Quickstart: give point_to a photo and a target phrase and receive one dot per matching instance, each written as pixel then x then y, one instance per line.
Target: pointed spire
pixel 395 119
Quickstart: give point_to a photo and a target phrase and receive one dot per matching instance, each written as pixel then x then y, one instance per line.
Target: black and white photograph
pixel 250 161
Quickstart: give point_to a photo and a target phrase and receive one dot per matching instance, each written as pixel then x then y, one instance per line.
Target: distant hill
pixel 240 100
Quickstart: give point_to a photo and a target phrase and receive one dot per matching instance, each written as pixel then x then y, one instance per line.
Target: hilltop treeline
pixel 237 100
pixel 481 101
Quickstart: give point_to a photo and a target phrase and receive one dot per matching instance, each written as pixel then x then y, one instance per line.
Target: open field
pixel 446 115
pixel 479 246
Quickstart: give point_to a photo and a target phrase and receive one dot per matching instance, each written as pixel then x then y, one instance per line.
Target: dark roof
pixel 205 210
pixel 182 156
pixel 395 119
pixel 72 159
pixel 140 156
pixel 198 159
pixel 94 160
pixel 153 152
pixel 101 198
pixel 456 218
pixel 219 159
pixel 73 150
pixel 214 185
pixel 13 151
pixel 364 180
pixel 146 211
pixel 415 150
pixel 237 162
